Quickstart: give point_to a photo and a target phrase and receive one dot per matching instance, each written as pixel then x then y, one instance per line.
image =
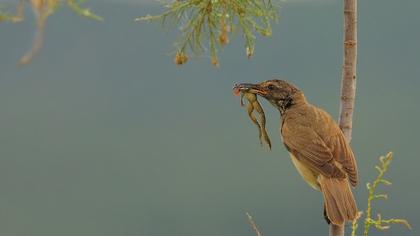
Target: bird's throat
pixel 290 102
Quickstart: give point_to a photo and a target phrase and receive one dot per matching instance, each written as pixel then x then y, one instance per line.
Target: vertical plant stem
pixel 348 81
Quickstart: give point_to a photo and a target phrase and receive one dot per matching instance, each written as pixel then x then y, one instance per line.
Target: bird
pixel 317 147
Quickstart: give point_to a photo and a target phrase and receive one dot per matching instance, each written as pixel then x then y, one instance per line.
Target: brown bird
pixel 317 147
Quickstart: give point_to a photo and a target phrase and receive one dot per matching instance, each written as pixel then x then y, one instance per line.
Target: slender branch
pixel 348 81
pixel 253 225
pixel 41 11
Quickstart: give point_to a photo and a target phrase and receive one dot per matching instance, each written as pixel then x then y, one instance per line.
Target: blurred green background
pixel 103 135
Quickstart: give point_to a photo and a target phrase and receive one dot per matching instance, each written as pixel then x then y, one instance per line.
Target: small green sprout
pixel 379 222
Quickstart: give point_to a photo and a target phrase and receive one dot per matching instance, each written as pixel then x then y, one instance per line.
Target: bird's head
pixel 281 94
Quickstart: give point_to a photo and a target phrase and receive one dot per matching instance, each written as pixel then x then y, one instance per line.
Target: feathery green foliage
pixel 378 223
pixel 355 224
pixel 7 16
pixel 42 10
pixel 210 22
pixel 85 12
pixel 75 5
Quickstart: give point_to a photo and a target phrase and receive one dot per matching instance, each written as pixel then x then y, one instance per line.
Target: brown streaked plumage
pixel 317 147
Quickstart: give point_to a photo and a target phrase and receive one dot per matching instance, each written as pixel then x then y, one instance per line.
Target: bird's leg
pixel 250 110
pixel 253 104
pixel 259 109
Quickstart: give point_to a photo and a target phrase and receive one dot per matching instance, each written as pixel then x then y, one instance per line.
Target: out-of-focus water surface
pixel 103 135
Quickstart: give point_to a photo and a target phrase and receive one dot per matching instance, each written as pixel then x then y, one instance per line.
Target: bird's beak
pixel 249 88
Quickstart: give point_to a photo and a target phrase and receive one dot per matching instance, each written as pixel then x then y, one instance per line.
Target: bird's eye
pixel 271 87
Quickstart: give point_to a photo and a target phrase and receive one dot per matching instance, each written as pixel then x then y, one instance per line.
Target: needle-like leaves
pixel 206 25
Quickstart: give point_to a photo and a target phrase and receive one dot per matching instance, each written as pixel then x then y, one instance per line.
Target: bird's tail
pixel 340 205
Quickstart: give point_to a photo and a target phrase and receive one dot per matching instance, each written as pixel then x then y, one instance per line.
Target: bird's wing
pixel 339 146
pixel 344 155
pixel 308 147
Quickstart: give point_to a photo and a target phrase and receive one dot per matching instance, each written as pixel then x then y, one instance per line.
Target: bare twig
pixel 41 9
pixel 253 225
pixel 348 81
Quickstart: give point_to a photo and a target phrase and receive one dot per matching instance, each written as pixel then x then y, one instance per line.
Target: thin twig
pixel 253 225
pixel 348 81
